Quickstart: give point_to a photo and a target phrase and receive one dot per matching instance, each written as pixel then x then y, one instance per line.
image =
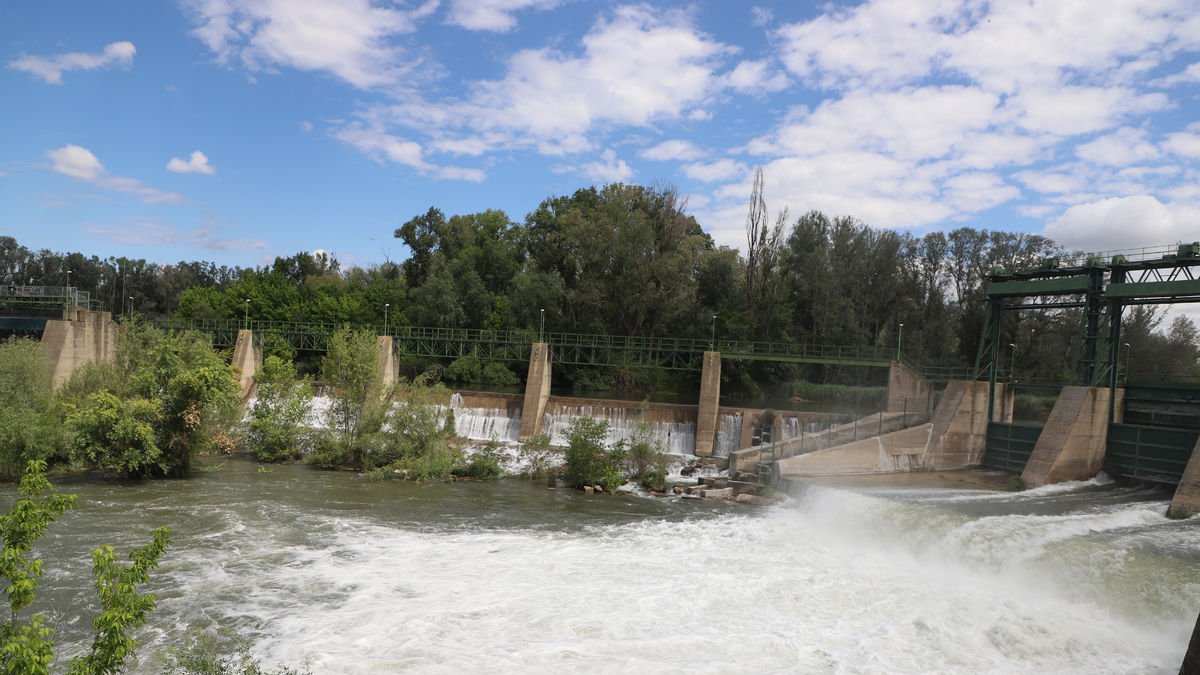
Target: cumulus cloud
pixel 674 149
pixel 1124 222
pixel 387 148
pixel 197 162
pixel 81 164
pixel 756 77
pixel 349 39
pixel 607 169
pixel 50 69
pixel 1121 148
pixel 493 15
pixel 712 172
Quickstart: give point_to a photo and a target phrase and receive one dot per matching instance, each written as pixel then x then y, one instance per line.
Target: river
pixel 360 576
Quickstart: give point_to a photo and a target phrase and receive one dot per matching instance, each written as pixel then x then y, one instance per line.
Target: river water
pixel 359 576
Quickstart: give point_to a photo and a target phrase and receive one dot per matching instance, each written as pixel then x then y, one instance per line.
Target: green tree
pixel 25 646
pixel 277 418
pixel 356 407
pixel 586 455
pixel 117 435
pixel 30 416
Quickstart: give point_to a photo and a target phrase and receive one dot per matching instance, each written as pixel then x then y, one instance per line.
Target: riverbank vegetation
pixel 591 462
pixel 629 260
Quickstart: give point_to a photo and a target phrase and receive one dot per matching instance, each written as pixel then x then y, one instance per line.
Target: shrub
pixel 585 455
pixel 30 416
pixel 117 436
pixel 277 419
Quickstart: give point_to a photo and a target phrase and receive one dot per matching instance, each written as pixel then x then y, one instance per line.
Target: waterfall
pixel 729 434
pixel 678 438
pixel 484 424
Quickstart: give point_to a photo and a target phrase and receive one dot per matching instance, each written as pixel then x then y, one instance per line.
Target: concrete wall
pixel 81 337
pixel 1191 660
pixel 953 439
pixel 537 391
pixel 907 390
pixel 1186 501
pixel 385 362
pixel 1073 441
pixel 860 432
pixel 247 359
pixel 710 401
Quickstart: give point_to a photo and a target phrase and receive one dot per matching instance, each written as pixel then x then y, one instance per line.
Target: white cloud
pixel 712 172
pixel 1185 76
pixel 972 192
pixel 197 162
pixel 492 15
pixel 51 68
pixel 756 77
pixel 608 169
pixel 1120 148
pixel 306 126
pixel 761 16
pixel 384 147
pixel 1183 144
pixel 80 163
pixel 350 39
pixel 674 149
pixel 76 162
pixel 1067 111
pixel 1124 222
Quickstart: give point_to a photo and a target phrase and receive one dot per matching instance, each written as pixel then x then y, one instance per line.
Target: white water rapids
pixel 355 576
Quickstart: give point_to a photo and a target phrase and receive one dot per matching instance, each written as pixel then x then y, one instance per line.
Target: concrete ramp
pixel 898 451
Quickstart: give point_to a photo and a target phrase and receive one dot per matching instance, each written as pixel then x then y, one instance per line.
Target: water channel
pixel 360 576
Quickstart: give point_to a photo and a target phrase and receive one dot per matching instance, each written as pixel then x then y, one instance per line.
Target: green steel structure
pixel 567 348
pixel 1101 286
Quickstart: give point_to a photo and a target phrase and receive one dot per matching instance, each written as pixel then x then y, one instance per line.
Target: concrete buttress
pixel 82 337
pixel 710 399
pixel 1072 444
pixel 537 391
pixel 247 359
pixel 1186 501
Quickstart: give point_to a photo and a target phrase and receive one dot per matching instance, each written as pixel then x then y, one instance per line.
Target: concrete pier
pixel 385 362
pixel 1186 501
pixel 1191 660
pixel 247 359
pixel 710 401
pixel 907 390
pixel 537 391
pixel 1072 444
pixel 81 337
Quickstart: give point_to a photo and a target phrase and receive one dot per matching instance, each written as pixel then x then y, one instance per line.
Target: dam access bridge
pixel 1144 430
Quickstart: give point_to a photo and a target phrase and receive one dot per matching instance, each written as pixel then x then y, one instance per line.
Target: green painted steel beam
pixel 1154 289
pixel 1031 287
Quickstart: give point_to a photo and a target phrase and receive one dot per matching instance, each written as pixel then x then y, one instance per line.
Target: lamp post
pixel 246 315
pixel 542 325
pixel 130 305
pixel 68 278
pixel 1012 361
pixel 712 346
pixel 899 341
pixel 1128 358
pixel 386 305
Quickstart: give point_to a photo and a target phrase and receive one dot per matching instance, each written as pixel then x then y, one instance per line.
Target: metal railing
pixel 12 295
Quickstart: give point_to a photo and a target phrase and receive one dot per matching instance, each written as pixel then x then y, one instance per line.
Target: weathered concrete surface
pixel 81 337
pixel 1186 501
pixel 904 450
pixel 1191 660
pixel 710 399
pixel 907 390
pixel 746 459
pixel 954 439
pixel 385 362
pixel 247 359
pixel 1072 443
pixel 537 391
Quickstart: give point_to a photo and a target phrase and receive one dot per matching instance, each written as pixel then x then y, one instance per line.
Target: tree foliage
pixel 26 646
pixel 280 411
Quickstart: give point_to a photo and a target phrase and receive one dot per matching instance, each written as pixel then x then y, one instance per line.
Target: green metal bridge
pixel 567 348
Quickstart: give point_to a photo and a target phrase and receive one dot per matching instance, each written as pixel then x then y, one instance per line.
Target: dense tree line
pixel 629 260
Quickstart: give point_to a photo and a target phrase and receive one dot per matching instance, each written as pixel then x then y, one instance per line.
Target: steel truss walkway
pixel 568 348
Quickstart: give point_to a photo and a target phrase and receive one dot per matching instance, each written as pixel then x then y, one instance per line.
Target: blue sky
pixel 237 130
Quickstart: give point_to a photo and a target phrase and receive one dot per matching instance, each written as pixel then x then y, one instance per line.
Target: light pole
pixel 246 315
pixel 542 325
pixel 899 341
pixel 130 305
pixel 68 278
pixel 1128 358
pixel 386 305
pixel 712 346
pixel 1012 361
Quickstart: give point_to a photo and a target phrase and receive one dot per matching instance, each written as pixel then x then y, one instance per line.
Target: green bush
pixel 482 466
pixel 277 420
pixel 586 456
pixel 31 417
pixel 117 436
pixel 200 655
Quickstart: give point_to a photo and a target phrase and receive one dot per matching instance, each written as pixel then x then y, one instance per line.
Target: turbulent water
pixel 356 576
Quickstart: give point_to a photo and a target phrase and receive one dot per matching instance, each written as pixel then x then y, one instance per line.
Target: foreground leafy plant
pixel 26 647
